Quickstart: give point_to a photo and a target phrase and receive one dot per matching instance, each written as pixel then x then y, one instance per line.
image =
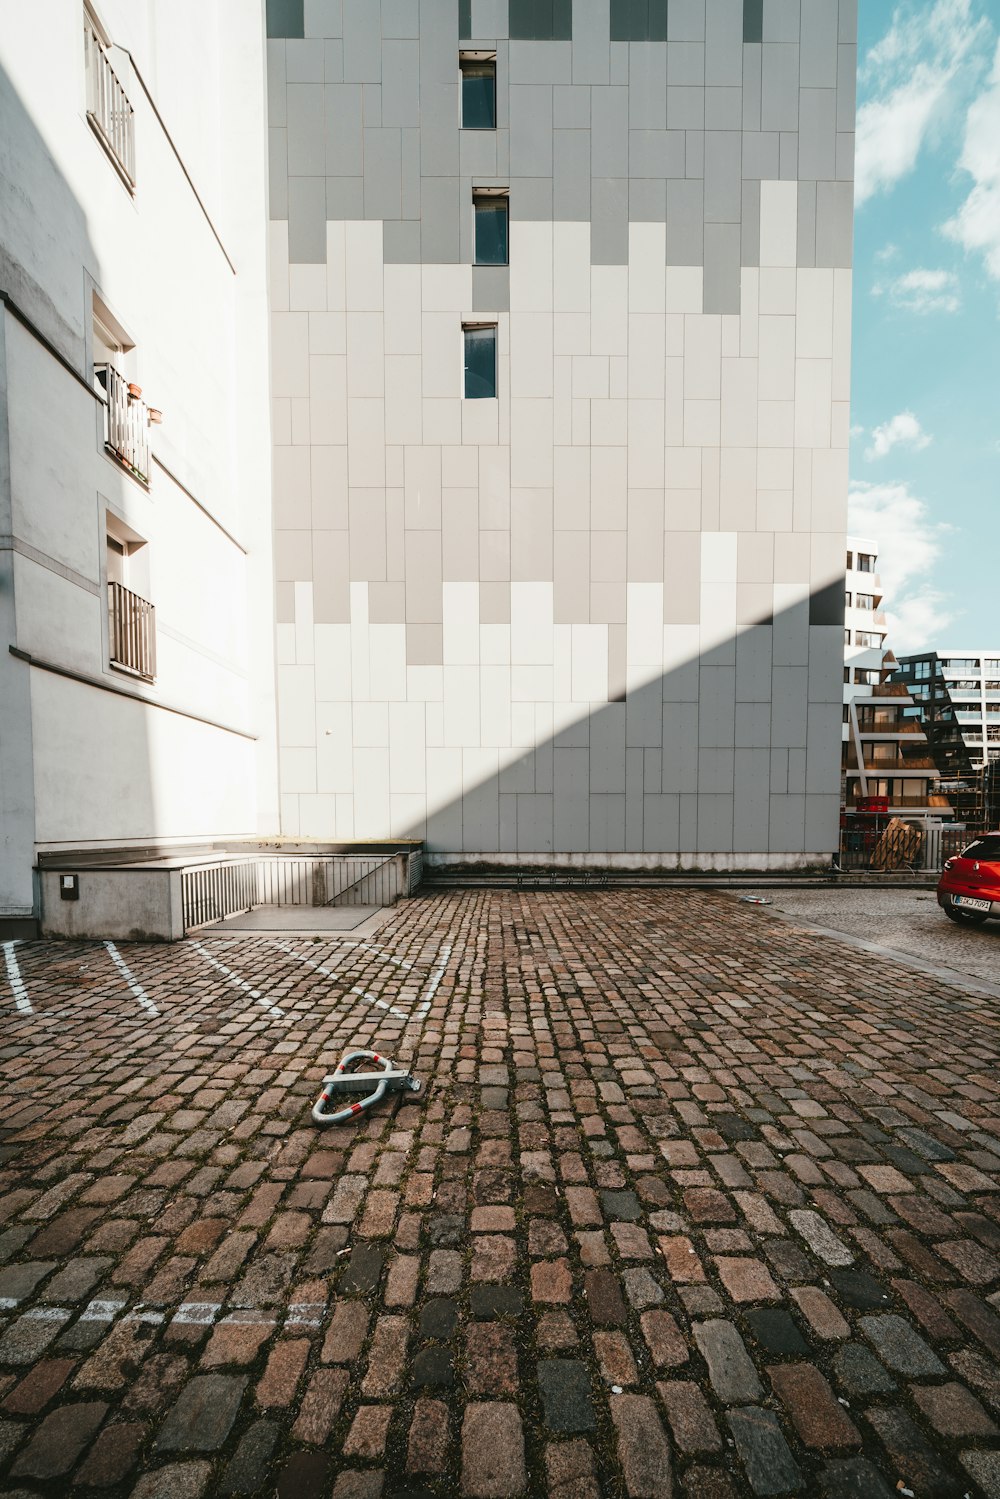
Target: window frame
pixel 489 196
pixel 480 325
pixel 469 58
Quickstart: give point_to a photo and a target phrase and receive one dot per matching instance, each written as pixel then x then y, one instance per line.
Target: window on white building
pixel 131 617
pixel 480 361
pixel 109 112
pixel 490 206
pixel 479 90
pixel 865 562
pixel 126 415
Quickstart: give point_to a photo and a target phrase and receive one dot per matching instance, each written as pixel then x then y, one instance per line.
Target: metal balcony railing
pixel 108 109
pixel 125 421
pixel 132 631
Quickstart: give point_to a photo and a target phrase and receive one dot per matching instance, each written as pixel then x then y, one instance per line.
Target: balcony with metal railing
pixel 125 421
pixel 131 631
pixel 110 114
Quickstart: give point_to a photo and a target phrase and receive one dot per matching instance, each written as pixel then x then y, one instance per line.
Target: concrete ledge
pixel 128 905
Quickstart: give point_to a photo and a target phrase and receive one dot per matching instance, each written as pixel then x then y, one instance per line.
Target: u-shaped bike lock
pixel 375 1084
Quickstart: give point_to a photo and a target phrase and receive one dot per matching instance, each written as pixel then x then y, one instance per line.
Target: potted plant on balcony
pixel 135 391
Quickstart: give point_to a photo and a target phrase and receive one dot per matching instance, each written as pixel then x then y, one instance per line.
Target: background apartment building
pixel 956 702
pixel 136 674
pixel 560 333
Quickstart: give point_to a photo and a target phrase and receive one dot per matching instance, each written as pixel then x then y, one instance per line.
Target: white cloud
pixel 887 252
pixel 909 544
pixel 976 225
pixel 901 431
pixel 911 78
pixel 922 291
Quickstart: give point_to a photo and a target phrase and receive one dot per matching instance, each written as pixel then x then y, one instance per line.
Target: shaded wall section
pixel 632 558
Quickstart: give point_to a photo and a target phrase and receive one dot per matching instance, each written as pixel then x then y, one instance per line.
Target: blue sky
pixel 925 443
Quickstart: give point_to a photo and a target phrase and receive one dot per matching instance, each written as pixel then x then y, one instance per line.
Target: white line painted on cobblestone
pixel 130 979
pixel 15 980
pixel 197 1313
pixel 102 1311
pixel 444 953
pixel 409 1016
pixel 235 979
pixel 332 974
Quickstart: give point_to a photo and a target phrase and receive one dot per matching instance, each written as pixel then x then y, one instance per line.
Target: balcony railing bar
pixel 125 420
pixel 108 108
pixel 132 631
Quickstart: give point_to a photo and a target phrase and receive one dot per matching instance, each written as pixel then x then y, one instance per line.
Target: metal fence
pixel 903 848
pixel 108 107
pixel 131 630
pixel 125 422
pixel 228 887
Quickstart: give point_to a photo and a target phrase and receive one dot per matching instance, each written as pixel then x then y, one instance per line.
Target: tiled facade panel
pixel 599 614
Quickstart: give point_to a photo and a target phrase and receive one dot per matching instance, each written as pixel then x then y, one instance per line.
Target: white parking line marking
pixel 425 1000
pixel 102 1311
pixel 329 973
pixel 197 1313
pixel 234 978
pixel 128 976
pixel 15 980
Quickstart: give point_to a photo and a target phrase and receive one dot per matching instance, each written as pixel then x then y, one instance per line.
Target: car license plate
pixel 971 902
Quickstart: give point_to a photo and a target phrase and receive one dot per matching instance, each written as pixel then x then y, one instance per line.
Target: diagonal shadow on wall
pixel 730 758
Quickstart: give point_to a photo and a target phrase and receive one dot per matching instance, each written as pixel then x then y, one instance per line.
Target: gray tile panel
pixel 817 134
pixel 571 175
pixel 609 132
pixel 609 221
pixel 307 220
pixel 362 41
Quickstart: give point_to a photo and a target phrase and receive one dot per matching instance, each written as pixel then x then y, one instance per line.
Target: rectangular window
pixel 479 91
pixel 864 601
pixel 850 561
pixel 867 638
pixel 110 114
pixel 866 562
pixel 480 361
pixel 847 600
pixel 491 227
pixel 131 617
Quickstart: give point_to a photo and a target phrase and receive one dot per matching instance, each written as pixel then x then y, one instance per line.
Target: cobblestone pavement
pixel 909 921
pixel 696 1203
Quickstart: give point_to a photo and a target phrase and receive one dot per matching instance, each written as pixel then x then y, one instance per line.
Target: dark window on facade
pixel 753 20
pixel 542 20
pixel 638 20
pixel 479 93
pixel 480 362
pixel 850 561
pixel 864 601
pixel 491 228
pixel 866 562
pixel 847 599
pixel 285 18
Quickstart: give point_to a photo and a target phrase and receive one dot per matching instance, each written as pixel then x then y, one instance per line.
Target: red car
pixel 969 888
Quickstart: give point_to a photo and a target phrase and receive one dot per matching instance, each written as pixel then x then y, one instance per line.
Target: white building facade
pixel 136 657
pixel 561 358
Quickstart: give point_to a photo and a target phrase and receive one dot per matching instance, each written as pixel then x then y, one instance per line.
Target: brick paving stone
pixel 664 1339
pixel 746 1279
pixel 174 1481
pixel 282 1373
pixel 352 1485
pixel 953 1411
pixel 764 1452
pixel 824 1318
pixel 643 1448
pixel 346 1333
pixel 570 1470
pixel 428 1446
pixel 33 1393
pixel 900 1347
pixel 59 1440
pixel 775 1331
pixel 984 1467
pixel 112 1456
pixel 860 1373
pixel 565 1389
pixel 367 1435
pixel 551 1281
pixel 817 1416
pixel 730 1367
pixel 386 1357
pixel 320 1406
pixel 924 1470
pixel 433 1368
pixel 246 1471
pixel 490 1359
pixel 492 1451
pixel 614 1357
pixel 304 1475
pixel 691 1421
pixel 488 1302
pixel 854 1478
pixel 203 1415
